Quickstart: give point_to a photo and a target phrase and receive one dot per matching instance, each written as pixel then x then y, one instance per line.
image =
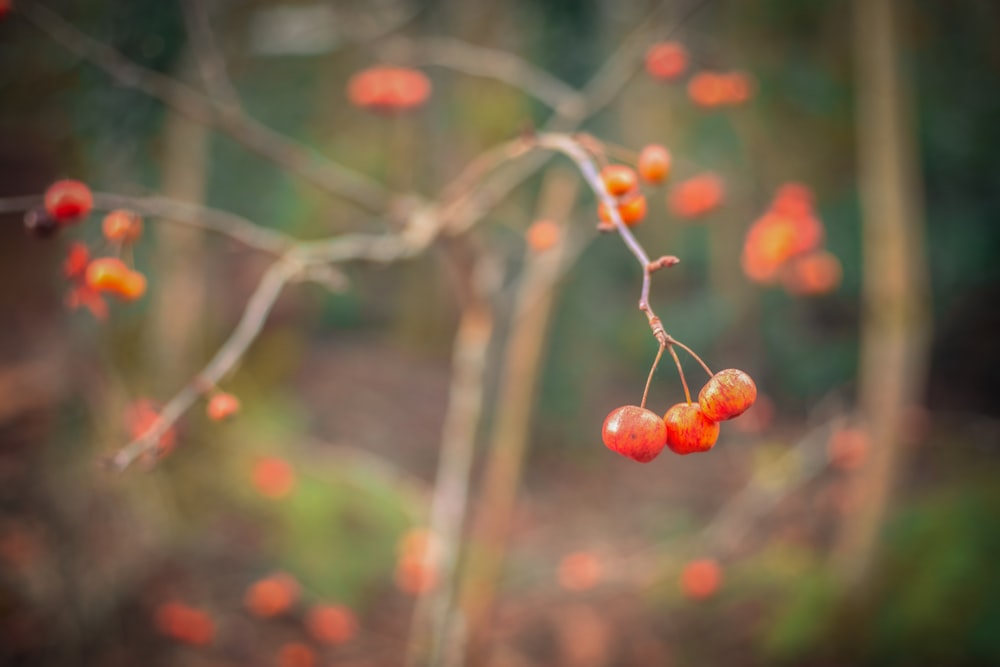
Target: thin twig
pixel 211 63
pixel 680 371
pixel 674 341
pixel 649 379
pixel 249 327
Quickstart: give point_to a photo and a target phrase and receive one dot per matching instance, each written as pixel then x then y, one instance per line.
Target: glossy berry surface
pixel 689 431
pixel 654 164
pixel 727 394
pixel 40 224
pixel 619 179
pixel 634 432
pixel 110 274
pixel 222 406
pixel 68 201
pixel 632 210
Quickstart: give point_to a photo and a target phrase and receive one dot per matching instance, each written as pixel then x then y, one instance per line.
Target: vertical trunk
pixel 895 326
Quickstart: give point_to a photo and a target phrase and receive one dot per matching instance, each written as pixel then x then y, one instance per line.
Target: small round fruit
pixel 222 406
pixel 666 60
pixel 121 226
pixel 40 224
pixel 107 274
pixel 133 287
pixel 701 578
pixel 727 394
pixel 688 429
pixel 632 210
pixel 634 432
pixel 619 179
pixel 654 163
pixel 542 235
pixel 68 201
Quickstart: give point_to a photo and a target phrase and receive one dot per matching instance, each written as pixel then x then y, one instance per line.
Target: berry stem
pixel 649 379
pixel 687 392
pixel 674 341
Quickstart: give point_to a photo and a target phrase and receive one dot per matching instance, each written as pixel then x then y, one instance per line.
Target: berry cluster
pixel 686 428
pixel 667 61
pixel 622 183
pixel 785 245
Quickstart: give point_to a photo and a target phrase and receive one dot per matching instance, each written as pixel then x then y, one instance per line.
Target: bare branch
pixel 329 176
pixel 211 63
pixel 246 331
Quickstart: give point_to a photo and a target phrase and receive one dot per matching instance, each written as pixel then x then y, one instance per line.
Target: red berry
pixel 331 624
pixel 542 235
pixel 68 201
pixel 666 60
pixel 619 179
pixel 728 394
pixel 296 654
pixel 654 163
pixel 222 406
pixel 700 579
pixel 110 274
pixel 634 432
pixel 688 429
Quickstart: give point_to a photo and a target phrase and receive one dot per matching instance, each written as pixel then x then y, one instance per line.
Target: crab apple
pixel 68 201
pixel 184 623
pixel 666 60
pixel 121 226
pixel 688 429
pixel 271 596
pixel 222 406
pixel 296 654
pixel 727 394
pixel 331 624
pixel 812 274
pixel 631 210
pixel 654 163
pixel 707 89
pixel 619 179
pixel 76 262
pixel 634 432
pixel 701 578
pixel 697 196
pixel 40 224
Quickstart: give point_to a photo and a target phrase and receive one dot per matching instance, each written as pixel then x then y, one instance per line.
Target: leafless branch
pixel 211 63
pixel 329 176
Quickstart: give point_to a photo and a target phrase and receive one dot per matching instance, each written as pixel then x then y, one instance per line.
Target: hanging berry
pixel 634 432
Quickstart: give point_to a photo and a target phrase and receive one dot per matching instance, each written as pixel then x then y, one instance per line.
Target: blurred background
pixel 850 518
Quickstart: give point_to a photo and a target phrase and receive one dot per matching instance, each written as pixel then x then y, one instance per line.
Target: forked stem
pixel 687 392
pixel 649 380
pixel 674 341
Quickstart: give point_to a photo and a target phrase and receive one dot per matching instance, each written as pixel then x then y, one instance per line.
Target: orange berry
pixel 619 179
pixel 133 287
pixel 185 624
pixel 700 579
pixel 388 89
pixel 121 226
pixel 666 60
pixel 542 235
pixel 727 394
pixel 697 196
pixel 793 199
pixel 654 163
pixel 331 624
pixel 737 87
pixel 82 296
pixel 107 274
pixel 273 477
pixel 579 571
pixel 689 431
pixel 68 201
pixel 296 654
pixel 632 210
pixel 634 432
pixel 415 575
pixel 707 89
pixel 222 406
pixel 271 596
pixel 812 274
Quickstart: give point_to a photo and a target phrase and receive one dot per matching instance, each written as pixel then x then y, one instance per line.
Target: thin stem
pixel 649 380
pixel 680 370
pixel 687 349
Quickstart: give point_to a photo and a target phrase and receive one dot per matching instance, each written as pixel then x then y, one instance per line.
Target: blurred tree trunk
pixel 895 327
pixel 178 303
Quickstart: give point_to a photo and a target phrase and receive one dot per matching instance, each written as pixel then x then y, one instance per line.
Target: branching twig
pixel 328 176
pixel 247 330
pixel 211 63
